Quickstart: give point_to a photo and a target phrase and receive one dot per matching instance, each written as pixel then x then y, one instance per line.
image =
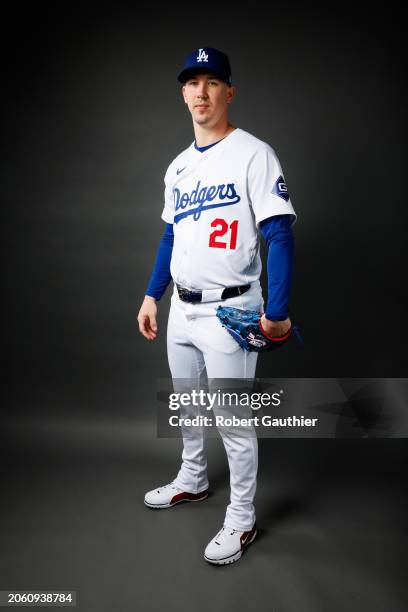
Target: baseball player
pixel 221 193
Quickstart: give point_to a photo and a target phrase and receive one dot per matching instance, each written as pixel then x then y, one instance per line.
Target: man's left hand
pixel 275 328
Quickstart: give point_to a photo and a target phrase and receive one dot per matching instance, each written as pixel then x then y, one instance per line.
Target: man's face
pixel 207 98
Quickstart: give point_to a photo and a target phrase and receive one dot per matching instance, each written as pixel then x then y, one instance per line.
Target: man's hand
pixel 147 318
pixel 275 328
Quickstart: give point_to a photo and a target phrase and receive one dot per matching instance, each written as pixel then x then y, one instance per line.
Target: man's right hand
pixel 147 318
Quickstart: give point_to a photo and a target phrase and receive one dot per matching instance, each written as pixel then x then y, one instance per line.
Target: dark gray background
pixel 92 117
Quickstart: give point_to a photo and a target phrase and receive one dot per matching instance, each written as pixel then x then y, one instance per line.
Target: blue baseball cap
pixel 206 59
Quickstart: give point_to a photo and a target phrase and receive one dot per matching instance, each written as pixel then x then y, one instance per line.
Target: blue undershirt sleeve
pixel 161 276
pixel 278 236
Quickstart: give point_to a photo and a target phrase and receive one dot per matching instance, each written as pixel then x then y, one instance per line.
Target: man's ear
pixel 231 92
pixel 183 93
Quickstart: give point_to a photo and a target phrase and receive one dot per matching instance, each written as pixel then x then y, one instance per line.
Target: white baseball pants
pixel 196 341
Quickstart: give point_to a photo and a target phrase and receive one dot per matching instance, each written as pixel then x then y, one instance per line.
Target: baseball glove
pixel 246 328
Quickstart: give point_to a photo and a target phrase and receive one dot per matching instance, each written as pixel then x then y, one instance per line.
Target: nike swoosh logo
pixel 246 537
pixel 179 171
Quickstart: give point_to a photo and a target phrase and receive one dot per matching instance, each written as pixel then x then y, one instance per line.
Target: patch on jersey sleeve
pixel 280 189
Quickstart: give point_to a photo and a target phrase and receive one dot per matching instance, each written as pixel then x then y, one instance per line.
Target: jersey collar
pixel 220 143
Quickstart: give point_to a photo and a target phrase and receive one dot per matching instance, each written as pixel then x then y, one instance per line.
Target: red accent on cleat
pixel 188 496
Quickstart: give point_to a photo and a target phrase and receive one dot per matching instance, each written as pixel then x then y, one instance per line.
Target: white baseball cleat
pixel 169 495
pixel 228 545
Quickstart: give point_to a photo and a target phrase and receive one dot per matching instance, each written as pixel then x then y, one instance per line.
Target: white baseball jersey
pixel 215 200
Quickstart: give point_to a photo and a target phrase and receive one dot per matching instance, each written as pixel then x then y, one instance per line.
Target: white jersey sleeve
pixel 168 210
pixel 266 186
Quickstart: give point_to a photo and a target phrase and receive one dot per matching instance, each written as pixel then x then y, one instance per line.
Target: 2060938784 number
pixel 223 229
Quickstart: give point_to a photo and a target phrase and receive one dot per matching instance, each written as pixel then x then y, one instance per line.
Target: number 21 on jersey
pixel 230 233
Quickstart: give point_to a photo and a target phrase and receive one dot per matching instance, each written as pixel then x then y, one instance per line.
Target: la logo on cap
pixel 202 56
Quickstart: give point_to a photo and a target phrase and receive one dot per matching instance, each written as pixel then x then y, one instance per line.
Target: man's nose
pixel 202 90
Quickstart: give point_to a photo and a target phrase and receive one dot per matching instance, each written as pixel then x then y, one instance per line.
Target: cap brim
pixel 188 73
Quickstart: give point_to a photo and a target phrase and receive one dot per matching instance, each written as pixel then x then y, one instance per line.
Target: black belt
pixel 195 296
